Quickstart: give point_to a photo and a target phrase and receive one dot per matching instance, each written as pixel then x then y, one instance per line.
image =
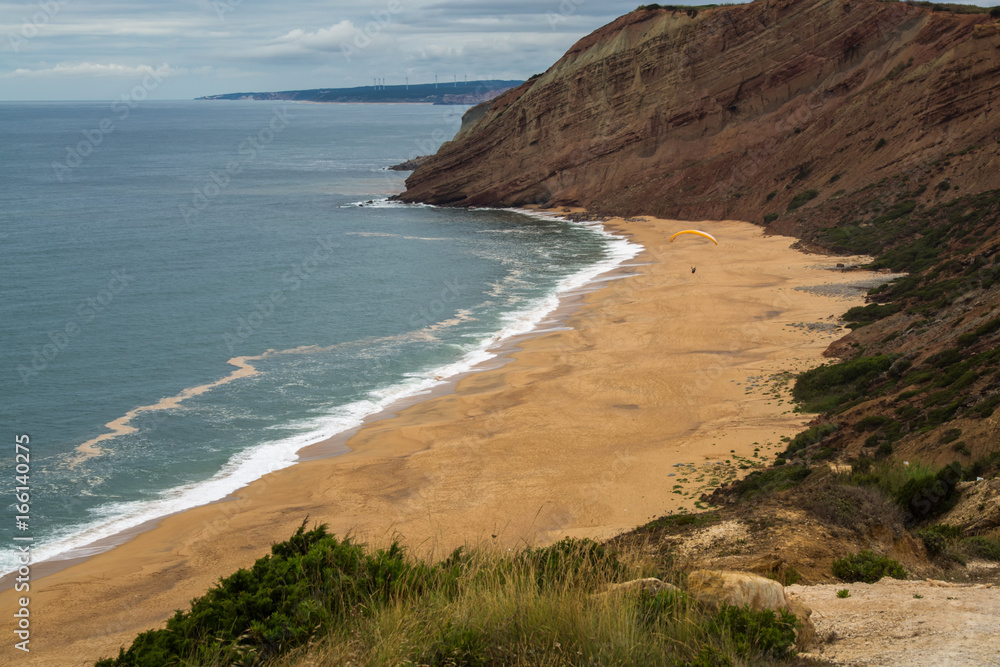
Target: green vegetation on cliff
pixel 317 599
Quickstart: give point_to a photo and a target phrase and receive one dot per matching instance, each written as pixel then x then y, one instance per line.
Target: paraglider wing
pixel 695 231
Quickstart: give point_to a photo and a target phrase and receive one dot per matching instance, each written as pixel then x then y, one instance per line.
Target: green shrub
pixel 945 358
pixel 920 491
pixel 981 546
pixel 859 508
pixel 984 408
pixel 927 496
pixel 664 606
pixel 823 454
pixel 950 435
pixel 936 538
pixel 770 217
pixel 918 377
pixel 880 144
pixel 808 437
pixel 868 567
pixel 982 466
pixel 764 633
pixel 571 561
pixel 802 198
pixel 768 481
pixel 283 601
pixel 827 387
pixel 871 313
pixel 673 522
pixel 895 212
pixel 934 542
pixel 872 423
pixel 984 330
pixel 843 593
pixel 786 575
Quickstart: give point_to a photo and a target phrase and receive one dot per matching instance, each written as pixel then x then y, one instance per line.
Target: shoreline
pixel 496 349
pixel 605 397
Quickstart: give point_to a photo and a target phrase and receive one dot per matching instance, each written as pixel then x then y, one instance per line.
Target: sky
pixel 182 49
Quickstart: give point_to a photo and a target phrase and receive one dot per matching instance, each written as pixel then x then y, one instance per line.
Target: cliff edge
pixel 733 112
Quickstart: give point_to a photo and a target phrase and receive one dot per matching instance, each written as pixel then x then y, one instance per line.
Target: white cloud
pixel 95 70
pixel 282 46
pixel 324 39
pixel 111 27
pixel 299 43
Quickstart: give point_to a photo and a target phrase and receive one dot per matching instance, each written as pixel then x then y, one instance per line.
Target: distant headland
pixel 458 92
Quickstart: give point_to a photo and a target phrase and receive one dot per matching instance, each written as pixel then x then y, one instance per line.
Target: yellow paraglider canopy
pixel 695 231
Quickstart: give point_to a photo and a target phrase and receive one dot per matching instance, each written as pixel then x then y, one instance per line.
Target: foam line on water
pixel 256 461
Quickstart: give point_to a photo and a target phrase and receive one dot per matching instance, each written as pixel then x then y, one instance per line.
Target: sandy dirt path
pixel 906 623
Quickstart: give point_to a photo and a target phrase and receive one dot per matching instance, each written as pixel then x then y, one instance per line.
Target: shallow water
pixel 205 276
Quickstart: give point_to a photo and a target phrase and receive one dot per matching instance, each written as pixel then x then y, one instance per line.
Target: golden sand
pixel 579 435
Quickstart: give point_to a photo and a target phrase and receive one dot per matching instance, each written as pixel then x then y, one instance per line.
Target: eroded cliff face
pixel 707 114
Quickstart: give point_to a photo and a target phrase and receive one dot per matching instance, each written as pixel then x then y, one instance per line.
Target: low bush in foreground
pixel 311 581
pixel 318 599
pixel 868 567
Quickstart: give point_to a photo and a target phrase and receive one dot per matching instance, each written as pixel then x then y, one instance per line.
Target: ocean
pixel 224 283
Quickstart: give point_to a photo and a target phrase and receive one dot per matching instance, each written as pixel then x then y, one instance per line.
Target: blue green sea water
pixel 150 253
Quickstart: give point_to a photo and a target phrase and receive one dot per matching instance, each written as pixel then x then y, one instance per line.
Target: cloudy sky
pixel 97 50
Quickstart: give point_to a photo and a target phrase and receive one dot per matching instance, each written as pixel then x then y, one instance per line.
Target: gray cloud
pixel 81 49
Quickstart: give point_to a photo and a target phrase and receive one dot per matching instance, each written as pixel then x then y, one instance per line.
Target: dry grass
pixel 519 609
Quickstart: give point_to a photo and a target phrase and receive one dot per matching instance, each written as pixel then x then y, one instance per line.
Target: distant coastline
pixel 466 92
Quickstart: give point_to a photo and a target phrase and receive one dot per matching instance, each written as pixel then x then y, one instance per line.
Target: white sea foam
pixel 384 202
pixel 256 461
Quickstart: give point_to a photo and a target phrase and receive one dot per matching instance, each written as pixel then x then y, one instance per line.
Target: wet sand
pixel 578 435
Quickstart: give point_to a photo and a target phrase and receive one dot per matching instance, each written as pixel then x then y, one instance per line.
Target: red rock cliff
pixel 685 114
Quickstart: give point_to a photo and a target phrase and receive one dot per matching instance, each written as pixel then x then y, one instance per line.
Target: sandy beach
pixel 579 435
